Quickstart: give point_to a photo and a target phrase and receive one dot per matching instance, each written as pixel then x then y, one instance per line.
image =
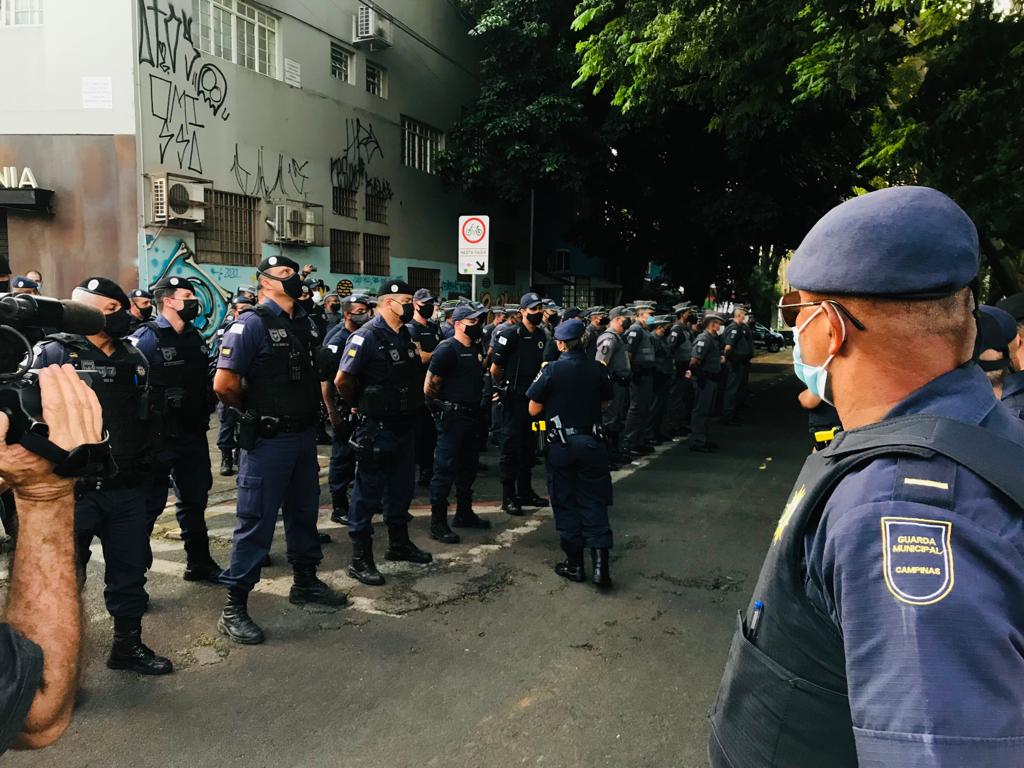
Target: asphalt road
pixel 484 659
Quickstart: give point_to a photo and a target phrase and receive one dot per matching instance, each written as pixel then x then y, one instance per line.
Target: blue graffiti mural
pixel 179 260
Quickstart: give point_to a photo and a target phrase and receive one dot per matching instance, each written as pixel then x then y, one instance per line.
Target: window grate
pixel 341 63
pixel 376 255
pixel 345 252
pixel 343 202
pixel 376 207
pixel 376 80
pixel 228 235
pixel 420 277
pixel 420 145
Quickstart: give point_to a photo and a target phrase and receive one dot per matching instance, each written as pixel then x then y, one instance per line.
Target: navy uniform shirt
pixel 920 565
pixel 427 334
pixel 145 339
pixel 363 356
pixel 740 339
pixel 572 388
pixel 329 355
pixel 520 352
pixel 244 348
pixel 707 351
pixel 459 368
pixel 1013 393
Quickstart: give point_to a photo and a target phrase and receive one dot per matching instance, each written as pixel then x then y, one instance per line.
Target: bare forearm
pixel 327 393
pixel 346 386
pixel 497 371
pixel 227 385
pixel 432 386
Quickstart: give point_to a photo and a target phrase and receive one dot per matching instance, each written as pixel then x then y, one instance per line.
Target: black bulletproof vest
pixel 287 385
pixel 180 377
pixel 522 365
pixel 399 398
pixel 783 700
pixel 465 385
pixel 121 386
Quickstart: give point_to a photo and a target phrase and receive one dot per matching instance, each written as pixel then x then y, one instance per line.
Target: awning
pixel 27 200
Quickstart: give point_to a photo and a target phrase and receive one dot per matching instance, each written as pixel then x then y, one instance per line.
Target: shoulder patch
pixel 237 328
pixel 358 340
pixel 503 340
pixel 917 558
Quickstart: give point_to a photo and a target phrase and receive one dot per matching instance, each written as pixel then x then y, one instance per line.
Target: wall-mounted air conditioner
pixel 176 199
pixel 371 29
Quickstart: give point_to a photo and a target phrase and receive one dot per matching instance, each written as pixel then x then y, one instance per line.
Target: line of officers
pixel 398 389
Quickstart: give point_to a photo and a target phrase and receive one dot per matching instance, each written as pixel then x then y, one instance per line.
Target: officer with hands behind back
pixel 113 509
pixel 382 377
pixel 266 372
pixel 570 394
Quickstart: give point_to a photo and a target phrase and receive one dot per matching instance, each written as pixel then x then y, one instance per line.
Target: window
pixel 420 145
pixel 426 278
pixel 376 80
pixel 376 207
pixel 376 255
pixel 345 252
pixel 238 32
pixel 341 63
pixel 228 235
pixel 21 13
pixel 344 202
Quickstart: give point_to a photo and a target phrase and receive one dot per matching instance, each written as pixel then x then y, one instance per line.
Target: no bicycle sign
pixel 474 244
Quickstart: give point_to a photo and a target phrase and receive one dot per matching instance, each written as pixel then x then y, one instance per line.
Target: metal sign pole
pixel 473 293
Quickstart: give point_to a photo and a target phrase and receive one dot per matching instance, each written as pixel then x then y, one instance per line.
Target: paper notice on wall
pixel 97 93
pixel 293 73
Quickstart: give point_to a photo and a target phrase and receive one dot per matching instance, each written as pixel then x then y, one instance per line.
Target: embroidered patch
pixel 917 558
pixel 352 353
pixel 276 334
pixel 787 513
pixel 358 340
pixel 225 351
pixel 237 329
pixel 169 353
pixel 503 340
pixel 394 355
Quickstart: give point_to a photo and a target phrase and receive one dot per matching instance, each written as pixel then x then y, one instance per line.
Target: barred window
pixel 376 255
pixel 345 252
pixel 376 207
pixel 430 279
pixel 344 202
pixel 420 145
pixel 229 233
pixel 376 80
pixel 341 63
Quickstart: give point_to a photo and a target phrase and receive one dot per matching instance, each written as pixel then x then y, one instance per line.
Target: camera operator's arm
pixel 43 603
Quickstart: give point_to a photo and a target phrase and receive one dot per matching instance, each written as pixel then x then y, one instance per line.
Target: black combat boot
pixel 200 565
pixel 600 559
pixel 509 502
pixel 128 651
pixel 339 513
pixel 572 567
pixel 227 463
pixel 401 548
pixel 307 588
pixel 439 529
pixel 465 517
pixel 529 497
pixel 235 621
pixel 363 568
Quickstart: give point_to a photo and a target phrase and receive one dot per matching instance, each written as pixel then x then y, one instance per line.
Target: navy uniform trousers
pixel 226 432
pixel 581 491
pixel 680 403
pixel 117 517
pixel 341 470
pixel 638 417
pixel 187 462
pixel 393 475
pixel 704 389
pixel 455 458
pixel 736 385
pixel 280 473
pixel 518 445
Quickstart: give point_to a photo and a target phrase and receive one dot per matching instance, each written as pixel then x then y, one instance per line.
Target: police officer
pixel 24 285
pixel 341 470
pixel 641 386
pixel 680 394
pixel 570 394
pixel 445 325
pixel 611 351
pixel 249 291
pixel 113 509
pixel 426 335
pixel 314 311
pixel 662 378
pixel 227 430
pixel 852 652
pixel 498 317
pixel 1013 382
pixel 141 306
pixel 381 376
pixel 597 321
pixel 266 371
pixel 997 352
pixel 332 311
pixel 518 351
pixel 738 349
pixel 454 393
pixel 705 371
pixel 182 402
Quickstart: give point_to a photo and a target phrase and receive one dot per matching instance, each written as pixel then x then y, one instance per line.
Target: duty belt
pixel 591 430
pixel 468 410
pixel 295 424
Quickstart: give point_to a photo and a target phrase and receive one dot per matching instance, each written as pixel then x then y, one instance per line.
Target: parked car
pixel 765 337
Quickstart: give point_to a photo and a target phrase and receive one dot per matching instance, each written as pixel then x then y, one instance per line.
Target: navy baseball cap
pixel 570 313
pixel 277 261
pixel 423 295
pixel 530 300
pixel 569 330
pixel 901 241
pixel 997 325
pixel 357 298
pixel 246 288
pixel 23 282
pixel 1014 305
pixel 468 311
pixel 621 311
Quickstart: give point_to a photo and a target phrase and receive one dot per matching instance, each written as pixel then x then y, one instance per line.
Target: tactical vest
pixel 619 362
pixel 286 386
pixel 121 386
pixel 643 357
pixel 680 342
pixel 712 361
pixel 465 384
pixel 180 380
pixel 662 354
pixel 397 400
pixel 783 699
pixel 525 361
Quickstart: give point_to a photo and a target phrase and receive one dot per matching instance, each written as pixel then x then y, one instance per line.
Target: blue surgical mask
pixel 814 376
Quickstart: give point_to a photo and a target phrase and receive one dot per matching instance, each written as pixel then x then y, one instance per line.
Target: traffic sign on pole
pixel 474 244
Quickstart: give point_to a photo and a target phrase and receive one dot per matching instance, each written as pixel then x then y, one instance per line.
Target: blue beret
pixel 105 287
pixel 1000 324
pixel 141 293
pixel 277 261
pixel 23 282
pixel 568 330
pixel 900 241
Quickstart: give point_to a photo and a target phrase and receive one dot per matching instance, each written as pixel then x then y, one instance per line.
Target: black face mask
pixel 306 304
pixel 332 309
pixel 118 324
pixel 190 311
pixel 626 323
pixel 475 332
pixel 603 322
pixel 146 312
pixel 426 311
pixel 534 317
pixel 407 311
pixel 360 319
pixel 291 285
pixel 5 286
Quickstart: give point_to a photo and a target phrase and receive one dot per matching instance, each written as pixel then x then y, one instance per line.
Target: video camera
pixel 19 386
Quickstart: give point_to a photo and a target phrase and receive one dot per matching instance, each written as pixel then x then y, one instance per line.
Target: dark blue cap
pixel 173 283
pixel 141 293
pixel 277 261
pixel 1000 328
pixel 569 330
pixel 423 295
pixel 570 313
pixel 466 311
pixel 530 300
pixel 105 287
pixel 394 287
pixel 1014 305
pixel 23 282
pixel 900 241
pixel 239 300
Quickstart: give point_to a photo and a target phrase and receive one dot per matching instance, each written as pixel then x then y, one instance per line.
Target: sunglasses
pixel 790 306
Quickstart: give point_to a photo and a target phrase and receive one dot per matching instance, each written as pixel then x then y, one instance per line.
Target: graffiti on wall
pixel 182 88
pixel 290 175
pixel 352 168
pixel 173 257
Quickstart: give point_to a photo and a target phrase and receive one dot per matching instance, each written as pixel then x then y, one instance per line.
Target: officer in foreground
pixel 453 389
pixel 381 377
pixel 738 349
pixel 113 509
pixel 854 649
pixel 705 371
pixel 570 393
pixel 266 372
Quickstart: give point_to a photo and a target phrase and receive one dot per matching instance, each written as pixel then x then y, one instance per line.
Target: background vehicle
pixel 765 337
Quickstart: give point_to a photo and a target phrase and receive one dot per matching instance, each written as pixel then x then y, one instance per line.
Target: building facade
pixel 195 137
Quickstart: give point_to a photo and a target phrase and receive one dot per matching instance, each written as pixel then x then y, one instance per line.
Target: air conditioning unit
pixel 176 200
pixel 370 28
pixel 295 224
